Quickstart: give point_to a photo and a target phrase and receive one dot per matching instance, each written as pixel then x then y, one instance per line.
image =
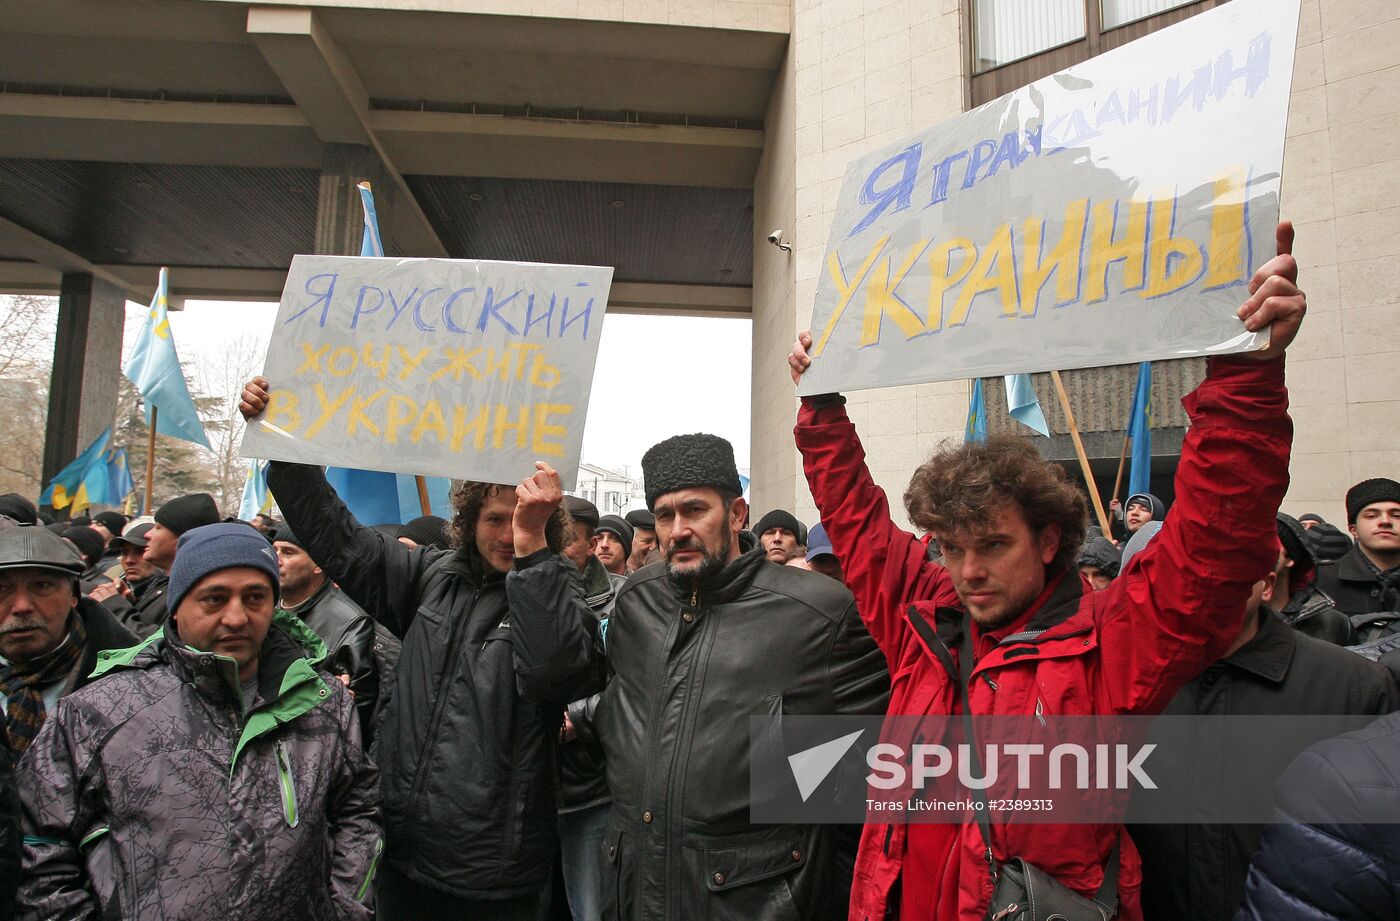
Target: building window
pixel 1122 12
pixel 1008 30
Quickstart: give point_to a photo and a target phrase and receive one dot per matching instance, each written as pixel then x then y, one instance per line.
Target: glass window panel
pixel 1007 30
pixel 1119 12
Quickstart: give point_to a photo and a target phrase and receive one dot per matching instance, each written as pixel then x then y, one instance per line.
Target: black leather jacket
pixel 465 745
pixel 148 613
pixel 688 669
pixel 348 633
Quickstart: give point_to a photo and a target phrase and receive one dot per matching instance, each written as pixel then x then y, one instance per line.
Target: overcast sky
pixel 656 376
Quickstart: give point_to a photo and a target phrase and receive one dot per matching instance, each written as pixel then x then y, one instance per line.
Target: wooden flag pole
pixel 1122 461
pixel 1079 449
pixel 150 461
pixel 423 495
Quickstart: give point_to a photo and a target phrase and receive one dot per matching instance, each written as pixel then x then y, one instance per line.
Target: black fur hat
pixel 1366 493
pixel 689 461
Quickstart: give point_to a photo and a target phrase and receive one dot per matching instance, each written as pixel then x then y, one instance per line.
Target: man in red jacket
pixel 1010 526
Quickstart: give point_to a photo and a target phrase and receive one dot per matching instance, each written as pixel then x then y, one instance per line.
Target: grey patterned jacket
pixel 151 794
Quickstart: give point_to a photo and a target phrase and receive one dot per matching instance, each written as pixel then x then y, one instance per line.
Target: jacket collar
pixel 1355 567
pixel 1055 609
pixel 731 581
pixel 310 601
pixel 597 587
pixel 1270 652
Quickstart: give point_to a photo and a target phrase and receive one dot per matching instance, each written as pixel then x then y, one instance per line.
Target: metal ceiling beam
pixel 322 81
pixel 20 241
pixel 266 285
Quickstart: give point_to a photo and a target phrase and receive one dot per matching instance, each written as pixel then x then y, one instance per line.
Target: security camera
pixel 776 238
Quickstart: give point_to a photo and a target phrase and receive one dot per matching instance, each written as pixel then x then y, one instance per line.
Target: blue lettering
pixel 492 308
pixel 531 320
pixel 447 309
pixel 360 309
pixel 980 152
pixel 322 297
pixel 398 308
pixel 897 194
pixel 941 173
pixel 586 316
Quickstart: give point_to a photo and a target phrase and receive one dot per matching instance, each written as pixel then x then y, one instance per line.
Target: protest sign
pixel 1111 213
pixel 440 367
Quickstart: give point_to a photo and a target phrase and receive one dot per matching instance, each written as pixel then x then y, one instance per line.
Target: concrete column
pixel 339 217
pixel 86 367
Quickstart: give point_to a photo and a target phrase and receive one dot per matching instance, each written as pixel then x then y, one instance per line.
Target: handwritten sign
pixel 1111 213
pixel 440 367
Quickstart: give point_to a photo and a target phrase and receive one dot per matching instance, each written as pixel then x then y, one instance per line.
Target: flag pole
pixel 1079 449
pixel 423 499
pixel 150 460
pixel 1122 462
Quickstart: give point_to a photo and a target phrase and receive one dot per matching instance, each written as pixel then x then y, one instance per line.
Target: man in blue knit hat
pixel 211 772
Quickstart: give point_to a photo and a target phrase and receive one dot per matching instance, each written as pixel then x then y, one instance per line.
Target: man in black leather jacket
pixel 342 625
pixel 465 745
pixel 696 647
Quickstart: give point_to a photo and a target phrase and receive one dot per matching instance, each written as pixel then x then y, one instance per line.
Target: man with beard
pixel 466 740
pixel 1007 607
pixel 695 649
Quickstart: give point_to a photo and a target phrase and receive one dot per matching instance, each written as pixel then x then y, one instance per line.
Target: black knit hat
pixel 188 512
pixel 619 528
pixel 13 505
pixel 781 519
pixel 112 521
pixel 284 534
pixel 688 462
pixel 89 543
pixel 1365 493
pixel 1296 545
pixel 426 531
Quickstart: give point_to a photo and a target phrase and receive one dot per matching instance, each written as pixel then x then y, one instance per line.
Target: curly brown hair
pixel 467 498
pixel 959 488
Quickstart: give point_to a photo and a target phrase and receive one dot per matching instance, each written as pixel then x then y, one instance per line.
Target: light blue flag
pixel 154 367
pixel 71 481
pixel 1022 404
pixel 1140 430
pixel 372 496
pixel 119 482
pixel 256 498
pixel 976 415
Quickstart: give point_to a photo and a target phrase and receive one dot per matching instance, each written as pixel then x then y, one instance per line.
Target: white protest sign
pixel 441 367
pixel 1111 213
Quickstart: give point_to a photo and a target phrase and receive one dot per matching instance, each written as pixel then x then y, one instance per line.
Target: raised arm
pixel 380 574
pixel 1182 600
pixel 885 566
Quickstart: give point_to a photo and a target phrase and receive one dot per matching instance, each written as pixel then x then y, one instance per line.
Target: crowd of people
pixel 314 718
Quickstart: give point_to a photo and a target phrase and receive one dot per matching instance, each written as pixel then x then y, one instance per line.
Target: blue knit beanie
pixel 213 547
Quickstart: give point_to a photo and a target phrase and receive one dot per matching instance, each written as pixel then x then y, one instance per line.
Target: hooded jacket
pixel 466 740
pixel 689 667
pixel 1125 650
pixel 152 793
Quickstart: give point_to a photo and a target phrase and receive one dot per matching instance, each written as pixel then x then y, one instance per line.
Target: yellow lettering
pixel 1225 251
pixel 459 362
pixel 312 358
pixel 430 420
pixel 1164 277
pixel 329 407
pixel 282 411
pixel 410 362
pixel 880 300
pixel 995 271
pixel 1062 262
pixel 1104 250
pixel 382 365
pixel 343 352
pixel 461 427
pixel 357 413
pixel 542 374
pixel 845 290
pixel 944 278
pixel 519 427
pixel 402 410
pixel 543 429
pixel 521 353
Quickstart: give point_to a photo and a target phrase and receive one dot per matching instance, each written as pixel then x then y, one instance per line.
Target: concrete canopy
pixel 193 133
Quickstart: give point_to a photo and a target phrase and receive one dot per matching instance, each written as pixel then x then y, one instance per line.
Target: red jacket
pixel 1126 650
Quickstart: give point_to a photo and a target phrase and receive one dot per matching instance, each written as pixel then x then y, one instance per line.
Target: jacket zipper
pixel 288 785
pixel 454 648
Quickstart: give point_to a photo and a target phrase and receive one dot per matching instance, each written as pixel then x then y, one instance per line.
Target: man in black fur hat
pixel 1367 579
pixel 735 638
